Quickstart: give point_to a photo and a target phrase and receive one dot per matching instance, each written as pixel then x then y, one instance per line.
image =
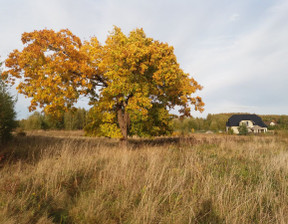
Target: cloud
pixel 236 49
pixel 249 70
pixel 234 17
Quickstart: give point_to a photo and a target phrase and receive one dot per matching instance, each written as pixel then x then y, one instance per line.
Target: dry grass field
pixel 60 177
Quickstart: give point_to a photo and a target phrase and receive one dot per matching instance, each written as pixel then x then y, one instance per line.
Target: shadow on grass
pixel 30 148
pixel 207 214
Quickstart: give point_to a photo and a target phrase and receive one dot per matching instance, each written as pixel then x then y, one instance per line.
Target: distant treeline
pixel 71 120
pixel 79 118
pixel 217 123
pixel 280 121
pixel 213 122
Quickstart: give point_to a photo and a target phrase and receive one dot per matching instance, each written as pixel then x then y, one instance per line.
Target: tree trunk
pixel 124 122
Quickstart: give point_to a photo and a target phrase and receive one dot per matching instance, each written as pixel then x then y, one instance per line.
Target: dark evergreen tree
pixel 7 113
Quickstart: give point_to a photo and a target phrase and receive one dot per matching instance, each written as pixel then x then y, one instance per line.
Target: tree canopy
pixel 132 81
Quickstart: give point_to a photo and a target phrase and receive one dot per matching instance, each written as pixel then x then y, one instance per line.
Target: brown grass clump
pixel 215 179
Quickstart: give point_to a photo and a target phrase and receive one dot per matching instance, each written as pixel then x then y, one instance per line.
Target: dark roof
pixel 234 120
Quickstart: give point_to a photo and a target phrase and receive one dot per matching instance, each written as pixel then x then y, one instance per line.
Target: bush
pixel 243 130
pixel 230 131
pixel 7 113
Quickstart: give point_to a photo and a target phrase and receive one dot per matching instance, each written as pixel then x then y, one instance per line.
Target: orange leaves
pixel 51 64
pixel 90 86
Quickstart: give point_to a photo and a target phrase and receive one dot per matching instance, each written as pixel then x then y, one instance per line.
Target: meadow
pixel 64 177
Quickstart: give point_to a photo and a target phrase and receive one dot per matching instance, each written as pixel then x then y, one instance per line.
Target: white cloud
pixel 234 17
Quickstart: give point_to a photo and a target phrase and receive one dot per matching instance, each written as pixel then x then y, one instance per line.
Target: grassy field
pixel 63 177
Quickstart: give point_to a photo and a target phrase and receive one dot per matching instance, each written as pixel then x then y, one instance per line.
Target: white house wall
pixel 235 129
pixel 248 123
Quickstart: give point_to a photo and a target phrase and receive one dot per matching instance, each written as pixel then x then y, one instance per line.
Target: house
pixel 253 123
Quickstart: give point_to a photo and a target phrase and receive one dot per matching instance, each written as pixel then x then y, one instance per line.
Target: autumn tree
pixel 130 79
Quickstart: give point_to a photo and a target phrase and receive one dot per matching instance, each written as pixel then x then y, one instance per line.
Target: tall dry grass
pixel 216 179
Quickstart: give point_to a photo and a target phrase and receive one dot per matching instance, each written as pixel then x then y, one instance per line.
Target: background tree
pixel 75 119
pixel 7 113
pixel 130 79
pixel 36 121
pixel 213 125
pixel 71 120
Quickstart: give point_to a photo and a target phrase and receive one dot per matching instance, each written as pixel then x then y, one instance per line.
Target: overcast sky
pixel 238 50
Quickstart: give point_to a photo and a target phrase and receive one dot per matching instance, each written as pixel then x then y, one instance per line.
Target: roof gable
pixel 234 120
